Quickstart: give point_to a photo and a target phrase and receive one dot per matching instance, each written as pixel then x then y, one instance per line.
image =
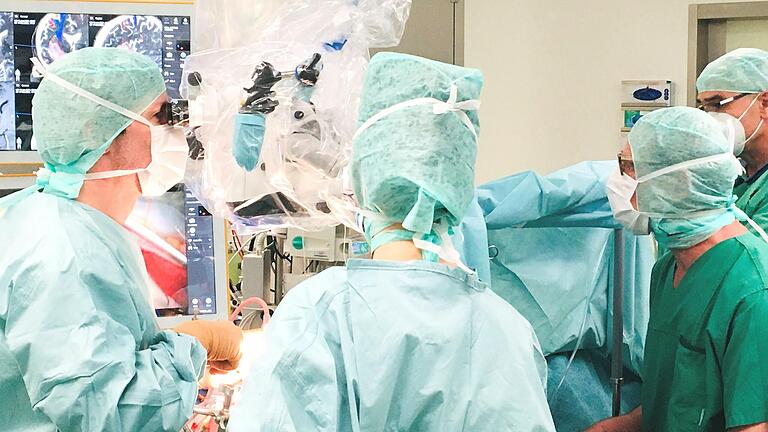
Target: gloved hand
pixel 221 339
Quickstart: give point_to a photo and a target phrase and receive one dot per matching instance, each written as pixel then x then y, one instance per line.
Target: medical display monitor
pixel 163 38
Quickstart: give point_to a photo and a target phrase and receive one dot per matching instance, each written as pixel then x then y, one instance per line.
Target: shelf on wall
pixel 19 169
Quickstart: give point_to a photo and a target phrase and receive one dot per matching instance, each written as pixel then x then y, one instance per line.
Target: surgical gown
pixel 79 346
pixel 706 350
pixel 569 213
pixel 385 346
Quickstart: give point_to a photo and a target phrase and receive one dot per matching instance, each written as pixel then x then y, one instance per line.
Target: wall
pixel 753 32
pixel 553 70
pixel 430 31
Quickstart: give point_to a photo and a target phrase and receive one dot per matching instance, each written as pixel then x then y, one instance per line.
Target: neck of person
pixel 756 157
pixel 684 258
pixel 399 251
pixel 115 197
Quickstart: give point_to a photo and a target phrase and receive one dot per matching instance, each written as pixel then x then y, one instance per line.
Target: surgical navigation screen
pixel 165 39
pixel 175 235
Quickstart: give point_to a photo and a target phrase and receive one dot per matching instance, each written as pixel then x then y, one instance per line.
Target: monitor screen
pixel 176 237
pixel 49 36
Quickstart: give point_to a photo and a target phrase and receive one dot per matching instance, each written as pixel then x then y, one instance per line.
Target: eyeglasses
pixel 625 165
pixel 718 105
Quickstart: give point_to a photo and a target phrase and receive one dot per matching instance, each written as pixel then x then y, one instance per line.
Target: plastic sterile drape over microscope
pixel 273 102
pixel 551 243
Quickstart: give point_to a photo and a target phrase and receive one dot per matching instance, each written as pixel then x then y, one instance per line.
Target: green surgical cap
pixel 672 136
pixel 73 132
pixel 744 70
pixel 414 166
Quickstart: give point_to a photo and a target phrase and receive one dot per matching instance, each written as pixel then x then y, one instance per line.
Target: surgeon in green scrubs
pixel 706 350
pixel 733 89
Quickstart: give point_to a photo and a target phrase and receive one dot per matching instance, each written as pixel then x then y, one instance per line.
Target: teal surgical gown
pixel 79 346
pixel 386 346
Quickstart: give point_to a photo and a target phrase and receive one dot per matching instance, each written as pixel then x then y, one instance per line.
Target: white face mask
pixel 734 129
pixel 169 160
pixel 620 189
pixel 169 148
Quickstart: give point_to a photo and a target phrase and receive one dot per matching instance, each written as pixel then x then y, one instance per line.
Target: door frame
pixel 706 33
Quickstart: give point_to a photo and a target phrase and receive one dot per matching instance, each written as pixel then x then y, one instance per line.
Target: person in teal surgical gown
pixel 412 339
pixel 79 346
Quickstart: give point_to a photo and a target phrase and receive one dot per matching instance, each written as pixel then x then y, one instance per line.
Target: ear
pixel 764 106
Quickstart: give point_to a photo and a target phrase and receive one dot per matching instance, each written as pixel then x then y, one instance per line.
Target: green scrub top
pixel 753 200
pixel 705 355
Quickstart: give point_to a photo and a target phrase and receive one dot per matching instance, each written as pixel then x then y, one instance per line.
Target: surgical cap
pixel 73 132
pixel 414 166
pixel 671 136
pixel 744 70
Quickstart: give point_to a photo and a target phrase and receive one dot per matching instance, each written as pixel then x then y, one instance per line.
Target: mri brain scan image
pixel 142 34
pixel 6 48
pixel 7 120
pixel 59 34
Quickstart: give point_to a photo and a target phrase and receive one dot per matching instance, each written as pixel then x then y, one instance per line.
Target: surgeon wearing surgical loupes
pixel 79 346
pixel 733 90
pixel 704 352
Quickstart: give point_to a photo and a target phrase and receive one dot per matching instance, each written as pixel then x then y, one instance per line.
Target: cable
pixel 251 300
pixel 576 349
pixel 239 250
pixel 235 238
pixel 273 248
pixel 248 320
pixel 245 323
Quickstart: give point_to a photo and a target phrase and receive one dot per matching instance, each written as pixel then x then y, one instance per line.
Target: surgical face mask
pixel 734 129
pixel 168 147
pixel 169 160
pixel 620 189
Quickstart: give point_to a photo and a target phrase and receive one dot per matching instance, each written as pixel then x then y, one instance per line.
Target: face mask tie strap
pixel 438 108
pixel 686 164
